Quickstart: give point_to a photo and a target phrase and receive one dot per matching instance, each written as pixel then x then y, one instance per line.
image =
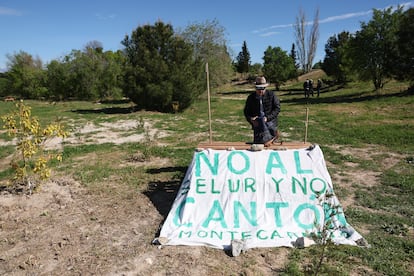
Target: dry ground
pixel 69 229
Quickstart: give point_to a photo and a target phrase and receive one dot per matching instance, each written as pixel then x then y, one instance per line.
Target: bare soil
pixel 66 228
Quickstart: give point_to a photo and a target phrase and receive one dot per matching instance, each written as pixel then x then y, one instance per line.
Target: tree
pixel 256 69
pixel 111 80
pixel 404 66
pixel 210 45
pixel 25 76
pixel 307 45
pixel 334 63
pixel 293 57
pixel 161 68
pixel 373 50
pixel 313 41
pixel 91 74
pixel 278 65
pixel 58 80
pixel 85 70
pixel 243 60
pixel 4 83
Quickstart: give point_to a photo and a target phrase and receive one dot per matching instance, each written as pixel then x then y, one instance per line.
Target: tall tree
pixel 161 68
pixel 306 43
pixel 373 50
pixel 278 66
pixel 334 63
pixel 210 45
pixel 58 80
pixel 293 55
pixel 243 60
pixel 26 77
pixel 404 66
pixel 300 33
pixel 313 41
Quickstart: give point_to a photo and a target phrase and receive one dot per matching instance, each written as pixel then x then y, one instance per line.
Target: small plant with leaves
pixel 324 234
pixel 31 159
pixel 148 139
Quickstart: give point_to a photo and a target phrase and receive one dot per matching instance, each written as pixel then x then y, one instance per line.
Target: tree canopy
pixel 373 51
pixel 278 65
pixel 404 65
pixel 243 60
pixel 25 76
pixel 334 63
pixel 209 44
pixel 160 68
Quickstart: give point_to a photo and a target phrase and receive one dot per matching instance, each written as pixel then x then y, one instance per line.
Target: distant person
pixel 319 86
pixel 311 87
pixel 261 110
pixel 306 88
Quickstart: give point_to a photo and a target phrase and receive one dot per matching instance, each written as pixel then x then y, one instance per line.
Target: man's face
pixel 260 90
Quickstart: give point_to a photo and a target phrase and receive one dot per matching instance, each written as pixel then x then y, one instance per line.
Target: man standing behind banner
pixel 261 111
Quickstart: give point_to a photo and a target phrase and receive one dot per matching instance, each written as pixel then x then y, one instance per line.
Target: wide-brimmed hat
pixel 261 82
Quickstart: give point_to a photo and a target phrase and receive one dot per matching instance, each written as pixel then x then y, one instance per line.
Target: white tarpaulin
pixel 266 198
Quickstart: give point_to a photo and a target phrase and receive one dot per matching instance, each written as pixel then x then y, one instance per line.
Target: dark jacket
pixel 271 106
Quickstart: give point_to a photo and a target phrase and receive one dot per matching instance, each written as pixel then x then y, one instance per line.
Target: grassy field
pixel 367 138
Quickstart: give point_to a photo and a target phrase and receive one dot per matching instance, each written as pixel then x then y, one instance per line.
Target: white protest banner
pixel 267 198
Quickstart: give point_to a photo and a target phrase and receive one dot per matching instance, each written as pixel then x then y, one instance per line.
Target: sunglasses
pixel 260 88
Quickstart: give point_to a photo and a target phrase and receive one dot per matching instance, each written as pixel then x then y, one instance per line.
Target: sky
pixel 51 29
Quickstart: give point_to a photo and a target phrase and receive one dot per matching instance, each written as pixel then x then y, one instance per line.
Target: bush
pixel 31 159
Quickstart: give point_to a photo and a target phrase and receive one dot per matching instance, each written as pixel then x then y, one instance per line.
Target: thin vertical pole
pixel 209 106
pixel 306 125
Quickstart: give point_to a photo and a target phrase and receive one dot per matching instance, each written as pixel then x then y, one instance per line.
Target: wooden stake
pixel 306 125
pixel 209 106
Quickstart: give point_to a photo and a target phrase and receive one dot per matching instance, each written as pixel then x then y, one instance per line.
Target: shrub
pixel 31 159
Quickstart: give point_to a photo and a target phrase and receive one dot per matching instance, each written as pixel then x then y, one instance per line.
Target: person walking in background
pixel 261 110
pixel 319 86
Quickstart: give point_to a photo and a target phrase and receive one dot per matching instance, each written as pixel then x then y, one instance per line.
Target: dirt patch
pixel 69 229
pixel 125 131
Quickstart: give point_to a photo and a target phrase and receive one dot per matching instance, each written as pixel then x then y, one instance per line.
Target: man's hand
pixel 254 122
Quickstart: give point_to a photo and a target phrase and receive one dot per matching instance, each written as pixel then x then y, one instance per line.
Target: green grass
pixel 353 117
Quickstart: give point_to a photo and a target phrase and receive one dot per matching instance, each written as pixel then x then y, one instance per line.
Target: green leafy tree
pixel 209 45
pixel 161 68
pixel 91 74
pixel 278 66
pixel 111 80
pixel 26 77
pixel 243 60
pixel 373 50
pixel 334 63
pixel 256 70
pixel 4 83
pixel 58 80
pixel 83 75
pixel 404 66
